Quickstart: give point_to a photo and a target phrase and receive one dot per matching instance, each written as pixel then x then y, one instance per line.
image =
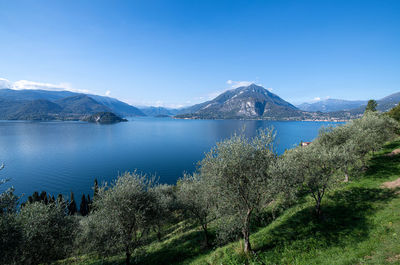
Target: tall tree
pixel 83 209
pixel 95 188
pixel 72 209
pixel 238 171
pixel 371 106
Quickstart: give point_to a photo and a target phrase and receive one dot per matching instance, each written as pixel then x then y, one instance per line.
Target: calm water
pixel 60 157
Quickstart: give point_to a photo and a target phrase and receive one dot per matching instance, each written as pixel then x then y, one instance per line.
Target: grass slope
pixel 361 226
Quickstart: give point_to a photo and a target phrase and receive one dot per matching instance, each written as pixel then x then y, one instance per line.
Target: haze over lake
pixel 60 157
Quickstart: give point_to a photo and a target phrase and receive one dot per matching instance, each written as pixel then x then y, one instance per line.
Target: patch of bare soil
pixel 394 152
pixel 392 184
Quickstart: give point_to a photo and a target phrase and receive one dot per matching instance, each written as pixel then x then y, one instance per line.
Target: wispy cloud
pixel 108 93
pixel 157 103
pixel 320 98
pixel 32 85
pixel 236 84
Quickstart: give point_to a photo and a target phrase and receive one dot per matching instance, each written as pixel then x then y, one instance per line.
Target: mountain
pixel 348 107
pixel 81 104
pixel 329 105
pixel 384 104
pixel 27 94
pixel 247 102
pixel 159 111
pixel 111 104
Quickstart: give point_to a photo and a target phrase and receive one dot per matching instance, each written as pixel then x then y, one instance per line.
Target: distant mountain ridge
pixel 157 111
pixel 246 102
pixel 350 107
pixel 58 105
pixel 329 105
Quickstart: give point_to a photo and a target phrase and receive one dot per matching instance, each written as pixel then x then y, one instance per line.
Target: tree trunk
pixel 346 178
pixel 128 256
pixel 318 208
pixel 159 233
pixel 246 233
pixel 206 237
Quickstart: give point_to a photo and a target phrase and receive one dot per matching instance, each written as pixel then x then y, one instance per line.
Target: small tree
pixel 371 106
pixel 311 168
pixel 238 171
pixel 124 214
pixel 196 198
pixel 341 136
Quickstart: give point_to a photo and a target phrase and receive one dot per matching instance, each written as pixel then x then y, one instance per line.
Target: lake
pixel 60 157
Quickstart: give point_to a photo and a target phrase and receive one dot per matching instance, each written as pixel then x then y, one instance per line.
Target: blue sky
pixel 175 53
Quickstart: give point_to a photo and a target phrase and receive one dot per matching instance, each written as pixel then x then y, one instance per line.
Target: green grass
pixel 360 225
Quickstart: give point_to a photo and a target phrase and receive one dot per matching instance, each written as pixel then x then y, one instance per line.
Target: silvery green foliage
pixel 311 168
pixel 47 232
pixel 358 137
pixel 125 211
pixel 371 131
pixel 196 197
pixel 237 169
pixel 166 204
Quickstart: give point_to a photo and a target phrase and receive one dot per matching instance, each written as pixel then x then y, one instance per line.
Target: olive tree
pixel 47 232
pixel 371 131
pixel 311 168
pixel 125 211
pixel 195 197
pixel 341 136
pixel 237 169
pixel 357 138
pixel 165 206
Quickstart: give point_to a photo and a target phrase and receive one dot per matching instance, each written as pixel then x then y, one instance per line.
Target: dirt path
pixel 392 184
